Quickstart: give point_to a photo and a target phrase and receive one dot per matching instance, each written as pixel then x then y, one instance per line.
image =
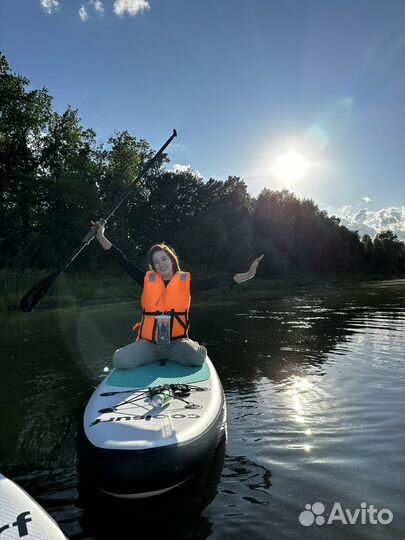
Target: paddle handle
pixel 93 231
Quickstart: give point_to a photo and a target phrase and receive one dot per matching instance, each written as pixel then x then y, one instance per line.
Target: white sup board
pixel 137 449
pixel 22 517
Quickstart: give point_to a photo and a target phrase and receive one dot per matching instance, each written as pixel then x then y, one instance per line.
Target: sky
pixel 245 84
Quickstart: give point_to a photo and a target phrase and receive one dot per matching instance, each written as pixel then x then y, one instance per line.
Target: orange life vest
pixel 158 299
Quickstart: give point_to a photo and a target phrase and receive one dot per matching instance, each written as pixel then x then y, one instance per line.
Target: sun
pixel 290 167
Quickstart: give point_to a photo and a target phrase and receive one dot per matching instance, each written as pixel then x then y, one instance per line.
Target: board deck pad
pixel 154 374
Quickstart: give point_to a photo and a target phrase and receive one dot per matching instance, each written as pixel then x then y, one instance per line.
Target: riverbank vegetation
pixel 55 176
pixel 83 288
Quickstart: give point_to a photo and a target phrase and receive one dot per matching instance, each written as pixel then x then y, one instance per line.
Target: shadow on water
pixel 252 481
pixel 174 515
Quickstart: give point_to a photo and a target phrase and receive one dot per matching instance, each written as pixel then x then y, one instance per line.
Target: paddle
pixel 32 298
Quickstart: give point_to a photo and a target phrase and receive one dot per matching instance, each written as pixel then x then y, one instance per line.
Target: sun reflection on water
pixel 301 404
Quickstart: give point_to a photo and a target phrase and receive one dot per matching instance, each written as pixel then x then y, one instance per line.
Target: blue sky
pixel 243 82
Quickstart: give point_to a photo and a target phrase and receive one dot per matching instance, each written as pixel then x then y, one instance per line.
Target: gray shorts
pixel 183 350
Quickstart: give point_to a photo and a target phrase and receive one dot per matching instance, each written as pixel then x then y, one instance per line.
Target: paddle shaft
pixel 92 233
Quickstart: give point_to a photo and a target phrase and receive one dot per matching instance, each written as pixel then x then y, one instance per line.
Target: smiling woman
pixel 290 167
pixel 162 333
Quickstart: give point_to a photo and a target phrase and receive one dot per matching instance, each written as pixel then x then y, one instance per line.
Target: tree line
pixel 55 177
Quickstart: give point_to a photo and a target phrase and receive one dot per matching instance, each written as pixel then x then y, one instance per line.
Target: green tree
pixel 306 239
pixel 72 163
pixel 24 115
pixel 228 204
pixel 124 159
pixel 388 253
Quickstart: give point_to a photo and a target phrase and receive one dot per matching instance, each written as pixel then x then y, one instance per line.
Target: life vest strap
pixel 181 322
pixel 170 313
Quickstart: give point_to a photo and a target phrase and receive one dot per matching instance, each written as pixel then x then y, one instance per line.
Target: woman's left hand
pixel 239 278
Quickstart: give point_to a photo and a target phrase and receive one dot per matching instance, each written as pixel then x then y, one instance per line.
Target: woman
pixel 166 298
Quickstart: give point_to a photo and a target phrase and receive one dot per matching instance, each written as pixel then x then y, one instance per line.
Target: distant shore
pixel 79 289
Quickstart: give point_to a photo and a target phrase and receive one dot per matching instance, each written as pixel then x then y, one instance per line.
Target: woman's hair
pixel 170 253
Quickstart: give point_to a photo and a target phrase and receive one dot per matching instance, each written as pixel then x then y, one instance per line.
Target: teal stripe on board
pixel 154 374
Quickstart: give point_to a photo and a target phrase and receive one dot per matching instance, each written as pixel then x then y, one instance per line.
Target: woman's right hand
pixel 105 244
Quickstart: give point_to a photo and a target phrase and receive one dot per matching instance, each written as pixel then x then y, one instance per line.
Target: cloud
pixel 95 5
pixel 132 7
pixel 373 222
pixel 49 6
pixel 177 167
pixel 345 210
pixel 83 14
pixel 366 199
pixel 121 7
pixel 98 7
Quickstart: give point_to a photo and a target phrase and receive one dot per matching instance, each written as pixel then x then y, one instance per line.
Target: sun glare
pixel 290 167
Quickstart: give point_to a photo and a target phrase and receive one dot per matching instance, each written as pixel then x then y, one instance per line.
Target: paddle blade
pixel 30 300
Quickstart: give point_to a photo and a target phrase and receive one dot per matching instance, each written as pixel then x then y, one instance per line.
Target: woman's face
pixel 163 264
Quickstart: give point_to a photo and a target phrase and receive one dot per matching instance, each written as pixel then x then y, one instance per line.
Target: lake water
pixel 314 383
